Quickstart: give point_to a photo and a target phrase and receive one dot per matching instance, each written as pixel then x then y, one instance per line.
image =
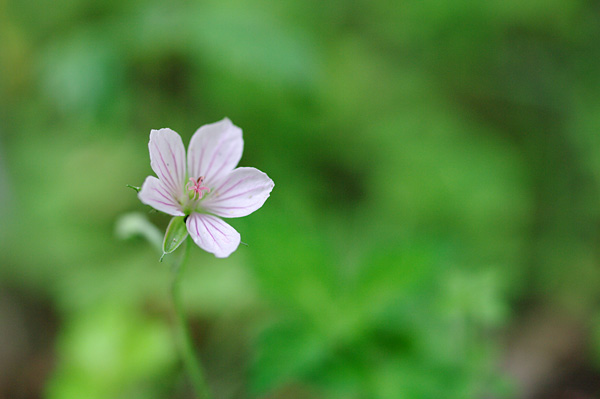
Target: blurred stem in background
pixel 185 345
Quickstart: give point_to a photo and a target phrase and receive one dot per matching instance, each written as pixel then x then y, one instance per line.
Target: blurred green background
pixel 433 231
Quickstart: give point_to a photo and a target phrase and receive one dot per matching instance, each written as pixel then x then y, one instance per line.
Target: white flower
pixel 208 187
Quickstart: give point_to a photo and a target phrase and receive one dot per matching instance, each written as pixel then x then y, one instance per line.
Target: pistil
pixel 197 188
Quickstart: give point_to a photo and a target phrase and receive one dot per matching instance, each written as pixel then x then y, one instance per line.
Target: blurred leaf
pixel 255 45
pixel 81 74
pixel 285 351
pixel 111 351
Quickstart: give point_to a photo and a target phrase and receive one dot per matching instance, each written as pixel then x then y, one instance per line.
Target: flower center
pixel 196 188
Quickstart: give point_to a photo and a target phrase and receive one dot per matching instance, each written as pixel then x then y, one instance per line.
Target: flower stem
pixel 186 348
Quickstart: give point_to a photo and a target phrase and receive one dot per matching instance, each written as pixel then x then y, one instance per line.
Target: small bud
pixel 175 235
pixel 137 224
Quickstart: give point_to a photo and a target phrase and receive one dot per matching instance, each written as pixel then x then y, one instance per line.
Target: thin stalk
pixel 186 347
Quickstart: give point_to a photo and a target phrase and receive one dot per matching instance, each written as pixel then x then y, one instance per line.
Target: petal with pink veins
pixel 239 193
pixel 155 194
pixel 212 234
pixel 215 149
pixel 167 158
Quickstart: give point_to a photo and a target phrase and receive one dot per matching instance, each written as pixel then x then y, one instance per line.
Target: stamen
pixel 197 187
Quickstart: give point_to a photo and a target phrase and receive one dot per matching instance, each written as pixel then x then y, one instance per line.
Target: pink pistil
pixel 197 187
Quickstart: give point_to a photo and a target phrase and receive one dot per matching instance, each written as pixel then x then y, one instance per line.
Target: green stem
pixel 186 348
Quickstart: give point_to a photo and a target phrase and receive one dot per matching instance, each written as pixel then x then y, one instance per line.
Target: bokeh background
pixel 433 231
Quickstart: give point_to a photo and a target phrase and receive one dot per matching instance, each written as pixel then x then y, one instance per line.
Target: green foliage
pixel 436 163
pixel 111 351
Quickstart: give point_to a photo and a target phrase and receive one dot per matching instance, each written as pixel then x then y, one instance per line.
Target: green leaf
pixel 176 233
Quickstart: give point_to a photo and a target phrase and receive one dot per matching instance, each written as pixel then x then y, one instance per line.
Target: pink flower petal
pixel 156 194
pixel 212 234
pixel 214 150
pixel 238 193
pixel 167 158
